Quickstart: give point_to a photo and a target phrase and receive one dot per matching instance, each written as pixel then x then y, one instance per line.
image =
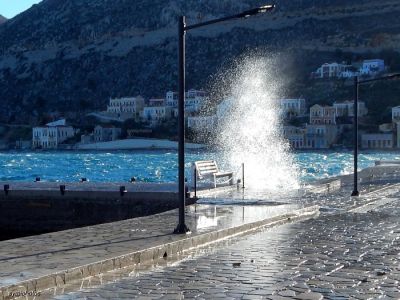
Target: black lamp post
pixel 182 28
pixel 357 83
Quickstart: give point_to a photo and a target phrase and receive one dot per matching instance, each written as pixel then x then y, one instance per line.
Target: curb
pixel 62 278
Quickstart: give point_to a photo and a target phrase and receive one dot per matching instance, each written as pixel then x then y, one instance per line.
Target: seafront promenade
pixel 230 253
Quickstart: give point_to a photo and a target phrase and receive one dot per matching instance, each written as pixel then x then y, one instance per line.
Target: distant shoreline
pixel 137 144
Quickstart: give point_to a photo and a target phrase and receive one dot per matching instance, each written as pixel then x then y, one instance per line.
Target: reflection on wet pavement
pixel 338 256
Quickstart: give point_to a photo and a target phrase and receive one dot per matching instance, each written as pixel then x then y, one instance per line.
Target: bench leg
pixel 215 181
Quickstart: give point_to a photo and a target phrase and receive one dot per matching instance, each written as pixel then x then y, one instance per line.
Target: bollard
pixel 62 189
pixel 122 190
pixel 84 179
pixel 242 175
pixel 238 184
pixel 187 194
pixel 37 179
pixel 6 189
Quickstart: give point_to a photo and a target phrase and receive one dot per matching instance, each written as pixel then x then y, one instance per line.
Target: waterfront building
pixel 295 136
pixel 106 133
pixel 377 141
pixel 194 100
pixel 322 114
pixel 292 107
pixel 202 123
pixel 51 135
pixel 320 136
pixel 372 67
pixel 126 108
pixel 156 114
pixel 346 108
pixel 395 113
pixel 132 133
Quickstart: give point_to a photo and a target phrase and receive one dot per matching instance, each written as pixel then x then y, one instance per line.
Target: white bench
pixel 209 169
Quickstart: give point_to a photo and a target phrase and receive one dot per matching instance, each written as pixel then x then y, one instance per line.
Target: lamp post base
pixel 355 194
pixel 182 229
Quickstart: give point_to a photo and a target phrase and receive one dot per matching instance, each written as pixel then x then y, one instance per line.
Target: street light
pixel 357 83
pixel 182 28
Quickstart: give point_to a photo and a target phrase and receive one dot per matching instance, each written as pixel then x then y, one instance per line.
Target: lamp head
pixel 394 76
pixel 258 10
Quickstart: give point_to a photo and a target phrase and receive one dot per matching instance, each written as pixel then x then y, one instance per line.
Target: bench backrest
pixel 206 168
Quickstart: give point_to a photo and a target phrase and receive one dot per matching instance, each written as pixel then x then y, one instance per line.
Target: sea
pixel 159 165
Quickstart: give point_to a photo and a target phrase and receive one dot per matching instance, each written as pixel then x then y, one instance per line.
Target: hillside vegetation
pixel 60 54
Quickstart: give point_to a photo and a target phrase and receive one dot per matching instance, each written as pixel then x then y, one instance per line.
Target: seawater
pixel 159 166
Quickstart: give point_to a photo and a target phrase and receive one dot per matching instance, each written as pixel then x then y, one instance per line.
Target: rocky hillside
pixel 73 55
pixel 2 19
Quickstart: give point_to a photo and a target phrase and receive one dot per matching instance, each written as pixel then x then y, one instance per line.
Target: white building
pixel 51 135
pixel 292 107
pixel 128 107
pixel 106 133
pixel 396 113
pixel 295 136
pixel 202 123
pixel 322 114
pixel 329 70
pixel 372 67
pixel 156 114
pixel 320 136
pixel 346 108
pixel 377 141
pixel 194 100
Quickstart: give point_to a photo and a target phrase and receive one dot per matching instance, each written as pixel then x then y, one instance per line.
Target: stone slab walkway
pixel 45 261
pixel 342 255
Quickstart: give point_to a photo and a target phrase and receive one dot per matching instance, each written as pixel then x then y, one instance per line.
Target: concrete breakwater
pixel 28 208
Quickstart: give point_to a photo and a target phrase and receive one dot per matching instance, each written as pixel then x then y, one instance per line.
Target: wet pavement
pixel 351 251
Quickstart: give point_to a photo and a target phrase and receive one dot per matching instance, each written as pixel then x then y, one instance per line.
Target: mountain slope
pixel 2 19
pixel 61 54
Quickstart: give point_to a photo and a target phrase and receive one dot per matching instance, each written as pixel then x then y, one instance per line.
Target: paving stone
pixel 329 256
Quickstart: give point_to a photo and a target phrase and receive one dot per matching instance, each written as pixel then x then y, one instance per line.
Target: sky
pixel 10 8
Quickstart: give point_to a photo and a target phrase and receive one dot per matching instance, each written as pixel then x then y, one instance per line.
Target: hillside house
pixel 292 107
pixel 346 108
pixel 372 67
pixel 322 115
pixel 126 108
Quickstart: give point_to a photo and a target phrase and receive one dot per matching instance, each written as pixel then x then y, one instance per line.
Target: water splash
pixel 250 132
